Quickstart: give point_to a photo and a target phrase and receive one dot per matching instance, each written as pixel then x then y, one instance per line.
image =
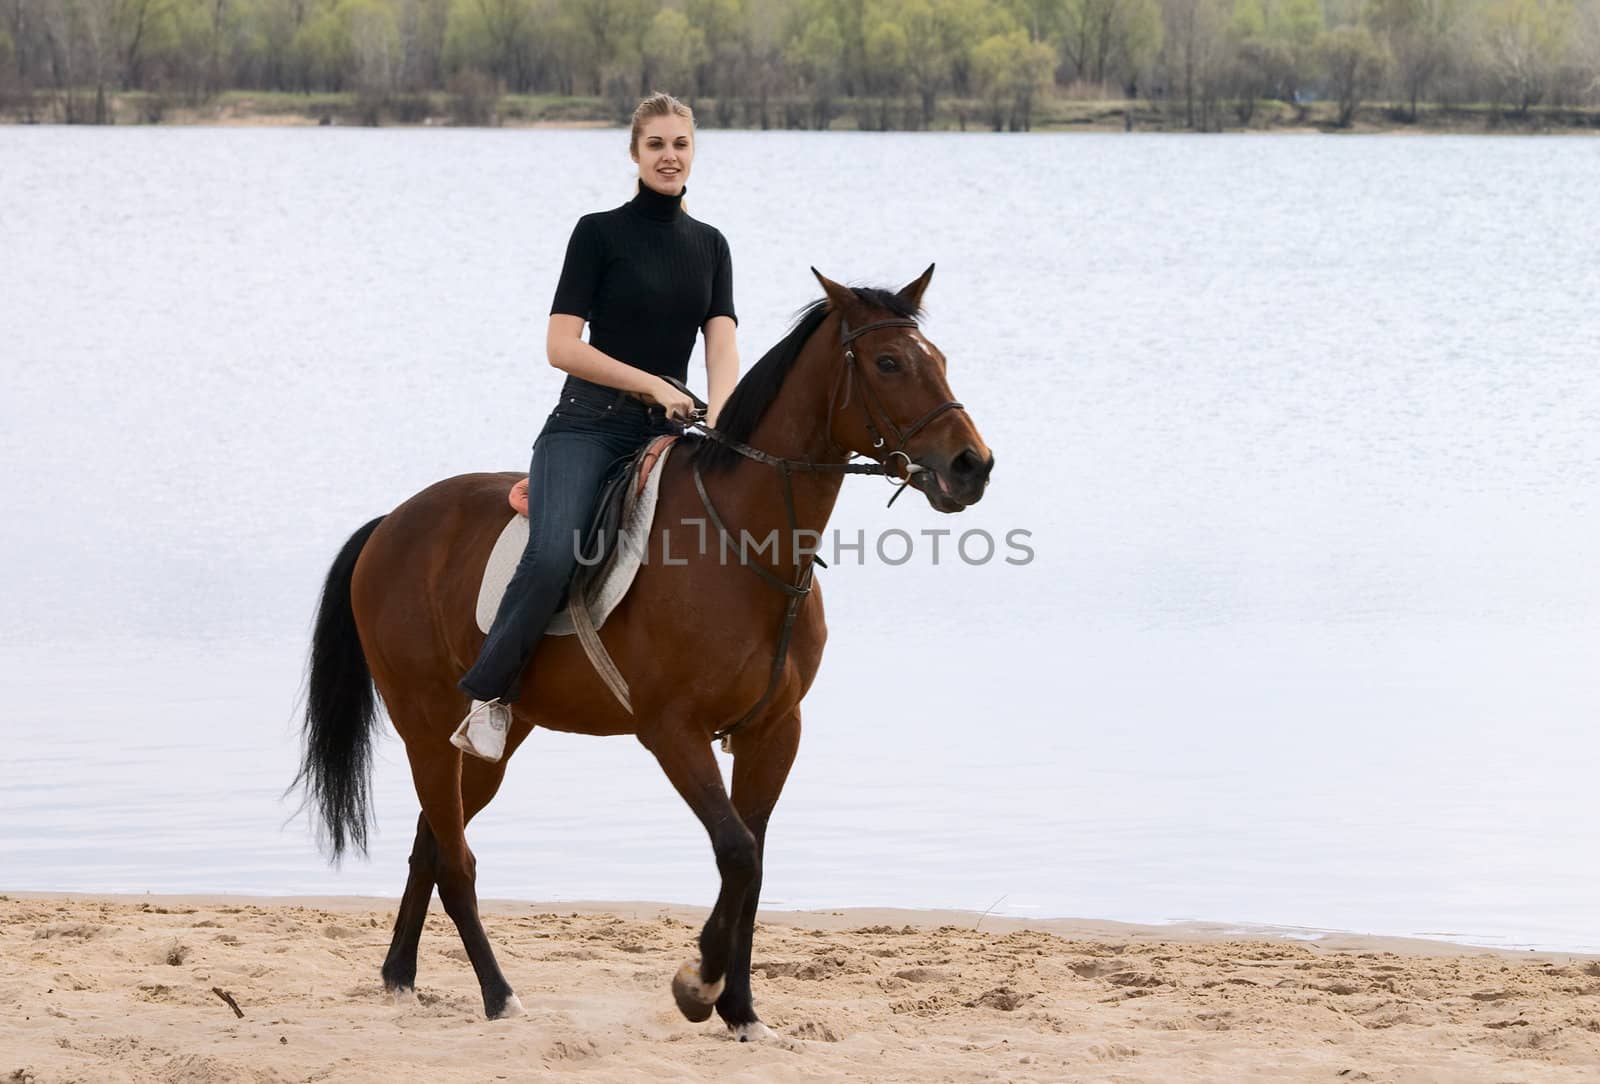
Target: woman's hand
pixel 677 405
pixel 567 351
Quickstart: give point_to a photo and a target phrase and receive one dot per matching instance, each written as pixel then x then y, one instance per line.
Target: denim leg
pixel 563 486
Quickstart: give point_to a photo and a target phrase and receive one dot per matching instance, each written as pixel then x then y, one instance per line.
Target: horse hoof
pixel 695 998
pixel 753 1032
pixel 402 995
pixel 512 1007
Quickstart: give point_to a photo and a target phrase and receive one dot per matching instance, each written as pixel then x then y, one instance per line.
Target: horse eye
pixel 886 364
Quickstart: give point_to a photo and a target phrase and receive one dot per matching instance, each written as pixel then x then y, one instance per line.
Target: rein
pixel 797 591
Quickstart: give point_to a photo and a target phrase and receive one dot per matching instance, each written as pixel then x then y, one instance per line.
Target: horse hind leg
pixel 480 781
pixel 437 772
pixel 400 966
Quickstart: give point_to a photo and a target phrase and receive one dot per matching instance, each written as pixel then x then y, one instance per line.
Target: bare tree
pixel 1525 39
pixel 1354 65
pixel 1194 40
pixel 1419 36
pixel 59 27
pixel 20 28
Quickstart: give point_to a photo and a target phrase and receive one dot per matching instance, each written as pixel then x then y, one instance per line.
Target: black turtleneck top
pixel 646 277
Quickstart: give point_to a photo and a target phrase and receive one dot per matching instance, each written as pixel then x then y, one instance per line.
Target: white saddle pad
pixel 621 566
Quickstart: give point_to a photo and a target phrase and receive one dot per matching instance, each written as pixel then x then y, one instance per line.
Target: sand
pixel 105 989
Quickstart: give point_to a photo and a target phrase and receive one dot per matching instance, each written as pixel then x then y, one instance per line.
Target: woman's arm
pixel 564 346
pixel 722 364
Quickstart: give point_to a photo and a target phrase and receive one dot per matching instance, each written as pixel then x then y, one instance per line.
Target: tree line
pixel 806 63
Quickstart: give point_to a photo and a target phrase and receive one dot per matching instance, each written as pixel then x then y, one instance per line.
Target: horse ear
pixel 913 291
pixel 840 297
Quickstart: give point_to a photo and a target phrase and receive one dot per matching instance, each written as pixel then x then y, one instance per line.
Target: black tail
pixel 341 709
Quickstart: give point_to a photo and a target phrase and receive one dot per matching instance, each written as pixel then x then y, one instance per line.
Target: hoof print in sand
pixel 815 1030
pixel 1003 998
pixel 68 931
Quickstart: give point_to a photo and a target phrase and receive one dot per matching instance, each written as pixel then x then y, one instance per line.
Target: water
pixel 1303 429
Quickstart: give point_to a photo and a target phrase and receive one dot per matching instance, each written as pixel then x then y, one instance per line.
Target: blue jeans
pixel 592 431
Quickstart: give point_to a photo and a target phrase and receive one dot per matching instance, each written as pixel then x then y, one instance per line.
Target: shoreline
pixel 195 989
pixel 279 109
pixel 843 918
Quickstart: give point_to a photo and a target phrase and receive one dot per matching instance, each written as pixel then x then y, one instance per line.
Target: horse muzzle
pixel 955 483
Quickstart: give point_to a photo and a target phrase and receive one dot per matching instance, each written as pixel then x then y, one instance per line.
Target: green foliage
pixel 889 62
pixel 673 50
pixel 887 51
pixel 725 26
pixel 1353 63
pixel 814 53
pixel 1297 22
pixel 495 37
pixel 1525 42
pixel 324 49
pixel 1102 40
pixel 1249 19
pixel 1420 36
pixel 1011 70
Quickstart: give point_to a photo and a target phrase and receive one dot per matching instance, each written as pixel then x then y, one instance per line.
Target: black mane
pixel 759 386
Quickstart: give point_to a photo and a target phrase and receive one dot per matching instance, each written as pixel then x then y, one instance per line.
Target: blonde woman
pixel 645 277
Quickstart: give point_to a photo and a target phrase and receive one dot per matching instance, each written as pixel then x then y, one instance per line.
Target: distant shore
pixel 430 110
pixel 132 988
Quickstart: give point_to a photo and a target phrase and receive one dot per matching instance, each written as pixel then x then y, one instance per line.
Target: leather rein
pixel 872 408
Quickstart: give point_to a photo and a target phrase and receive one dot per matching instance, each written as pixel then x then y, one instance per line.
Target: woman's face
pixel 664 153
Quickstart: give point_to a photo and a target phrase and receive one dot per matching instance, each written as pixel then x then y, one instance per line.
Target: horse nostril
pixel 966 464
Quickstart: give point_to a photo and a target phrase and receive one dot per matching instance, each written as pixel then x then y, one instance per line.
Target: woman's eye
pixel 886 364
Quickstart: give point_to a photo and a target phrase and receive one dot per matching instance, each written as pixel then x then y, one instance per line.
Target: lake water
pixel 1306 432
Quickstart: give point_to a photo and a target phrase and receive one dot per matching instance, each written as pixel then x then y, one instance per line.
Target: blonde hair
pixel 656 105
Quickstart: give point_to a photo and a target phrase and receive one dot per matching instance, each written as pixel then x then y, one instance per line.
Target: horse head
pixel 891 399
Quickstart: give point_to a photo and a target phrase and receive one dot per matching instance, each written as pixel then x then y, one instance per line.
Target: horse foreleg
pixel 686 757
pixel 761 762
pixel 479 782
pixel 436 770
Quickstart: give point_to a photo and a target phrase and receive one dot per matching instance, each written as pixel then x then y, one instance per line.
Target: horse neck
pixel 795 426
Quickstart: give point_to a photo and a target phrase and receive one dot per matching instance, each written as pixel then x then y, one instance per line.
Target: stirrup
pixel 483 732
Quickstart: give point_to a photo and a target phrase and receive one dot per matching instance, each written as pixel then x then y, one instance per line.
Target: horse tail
pixel 341 710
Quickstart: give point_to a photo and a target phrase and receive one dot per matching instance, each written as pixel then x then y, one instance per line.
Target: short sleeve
pixel 721 285
pixel 580 273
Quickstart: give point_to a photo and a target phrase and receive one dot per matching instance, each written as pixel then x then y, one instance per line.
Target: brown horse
pixel 698 640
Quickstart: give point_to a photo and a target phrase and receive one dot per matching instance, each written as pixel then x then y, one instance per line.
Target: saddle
pixel 614 544
pixel 621 488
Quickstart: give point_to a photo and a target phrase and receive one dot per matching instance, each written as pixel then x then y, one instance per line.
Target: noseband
pixel 873 413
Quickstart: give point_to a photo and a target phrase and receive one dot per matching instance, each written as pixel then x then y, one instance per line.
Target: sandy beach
pixel 125 988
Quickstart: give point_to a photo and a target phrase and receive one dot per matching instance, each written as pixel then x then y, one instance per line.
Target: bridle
pixel 873 413
pixel 870 404
pixel 871 408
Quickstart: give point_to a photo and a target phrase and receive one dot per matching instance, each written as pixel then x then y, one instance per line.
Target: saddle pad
pixel 623 565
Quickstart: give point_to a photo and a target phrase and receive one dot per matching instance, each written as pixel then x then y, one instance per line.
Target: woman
pixel 645 277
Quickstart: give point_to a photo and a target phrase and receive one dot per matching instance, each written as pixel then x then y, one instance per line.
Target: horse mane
pixel 761 383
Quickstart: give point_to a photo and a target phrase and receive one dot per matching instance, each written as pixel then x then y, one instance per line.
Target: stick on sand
pixel 232 1004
